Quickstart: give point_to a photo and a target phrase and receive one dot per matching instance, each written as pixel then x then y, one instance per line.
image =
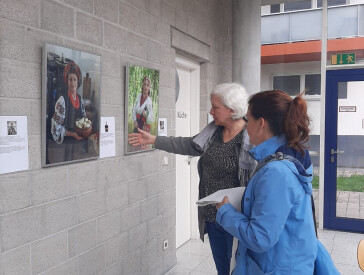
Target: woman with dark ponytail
pixel 275 227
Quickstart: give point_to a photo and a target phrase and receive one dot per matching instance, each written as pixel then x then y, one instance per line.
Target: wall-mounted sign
pixel 107 137
pixel 343 59
pixel 181 114
pixel 13 144
pixel 162 127
pixel 347 108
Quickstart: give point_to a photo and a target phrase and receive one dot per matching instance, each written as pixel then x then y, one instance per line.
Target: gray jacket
pixel 198 145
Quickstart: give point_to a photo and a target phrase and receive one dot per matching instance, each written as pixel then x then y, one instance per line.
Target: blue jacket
pixel 275 229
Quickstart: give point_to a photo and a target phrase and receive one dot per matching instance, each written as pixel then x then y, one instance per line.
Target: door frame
pixel 332 78
pixel 194 68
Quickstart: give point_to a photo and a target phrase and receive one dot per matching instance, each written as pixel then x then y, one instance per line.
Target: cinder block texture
pixel 85 5
pixel 69 267
pixel 115 38
pixel 138 190
pixel 21 227
pixel 27 86
pixel 112 87
pixel 14 193
pixel 16 261
pixel 82 178
pixel 152 261
pixel 116 197
pixel 111 215
pixel 48 185
pixel 36 222
pixel 89 29
pixel 34 147
pixel 155 8
pixel 52 14
pixel 117 248
pixel 11 40
pixel 92 205
pixel 81 238
pixel 160 31
pixel 135 45
pixel 131 216
pixel 155 228
pixel 48 252
pixel 132 263
pixel 140 22
pixel 110 68
pixel 126 15
pixel 24 11
pixel 108 226
pixel 92 261
pixel 138 236
pixel 107 9
pixel 116 268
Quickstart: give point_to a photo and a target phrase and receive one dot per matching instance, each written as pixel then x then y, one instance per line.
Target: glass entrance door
pixel 344 150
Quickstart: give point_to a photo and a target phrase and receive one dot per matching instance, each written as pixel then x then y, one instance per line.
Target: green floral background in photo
pixel 135 81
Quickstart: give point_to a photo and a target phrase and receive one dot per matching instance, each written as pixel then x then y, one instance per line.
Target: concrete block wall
pixel 106 216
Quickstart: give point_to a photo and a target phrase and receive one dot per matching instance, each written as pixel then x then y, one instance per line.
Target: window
pixel 275 8
pixel 300 5
pixel 295 84
pixel 288 83
pixel 313 84
pixel 342 90
pixel 331 3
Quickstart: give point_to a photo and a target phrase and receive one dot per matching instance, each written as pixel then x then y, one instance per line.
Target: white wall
pixel 265 10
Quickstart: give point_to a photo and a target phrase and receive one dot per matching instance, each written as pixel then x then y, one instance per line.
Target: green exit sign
pixel 343 58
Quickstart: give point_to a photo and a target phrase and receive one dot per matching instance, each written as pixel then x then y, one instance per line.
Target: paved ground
pixel 194 257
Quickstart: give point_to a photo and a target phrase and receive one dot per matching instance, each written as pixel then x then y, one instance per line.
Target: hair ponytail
pixel 284 116
pixel 296 124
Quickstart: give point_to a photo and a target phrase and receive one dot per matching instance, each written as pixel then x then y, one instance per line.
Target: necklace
pixel 74 100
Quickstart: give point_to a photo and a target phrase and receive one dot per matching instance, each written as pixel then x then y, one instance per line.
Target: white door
pixel 183 188
pixel 187 118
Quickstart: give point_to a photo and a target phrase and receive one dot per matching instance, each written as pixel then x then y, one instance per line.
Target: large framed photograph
pixel 71 83
pixel 141 104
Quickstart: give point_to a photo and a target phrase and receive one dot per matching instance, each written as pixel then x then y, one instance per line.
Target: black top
pixel 219 170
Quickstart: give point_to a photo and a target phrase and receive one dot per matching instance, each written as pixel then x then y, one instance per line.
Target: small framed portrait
pixel 12 128
pixel 141 104
pixel 162 131
pixel 71 82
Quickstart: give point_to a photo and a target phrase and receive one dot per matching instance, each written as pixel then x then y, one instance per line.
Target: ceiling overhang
pixel 310 50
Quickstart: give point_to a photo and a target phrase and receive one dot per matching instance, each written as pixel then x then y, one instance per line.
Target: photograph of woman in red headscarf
pixel 71 119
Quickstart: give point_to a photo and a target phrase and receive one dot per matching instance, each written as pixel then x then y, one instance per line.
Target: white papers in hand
pixel 234 195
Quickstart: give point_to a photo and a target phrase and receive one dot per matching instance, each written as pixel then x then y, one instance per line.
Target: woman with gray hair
pixel 224 163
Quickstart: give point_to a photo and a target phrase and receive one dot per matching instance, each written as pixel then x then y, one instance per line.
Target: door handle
pixel 336 152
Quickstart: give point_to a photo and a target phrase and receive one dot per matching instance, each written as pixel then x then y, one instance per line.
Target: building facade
pixel 111 215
